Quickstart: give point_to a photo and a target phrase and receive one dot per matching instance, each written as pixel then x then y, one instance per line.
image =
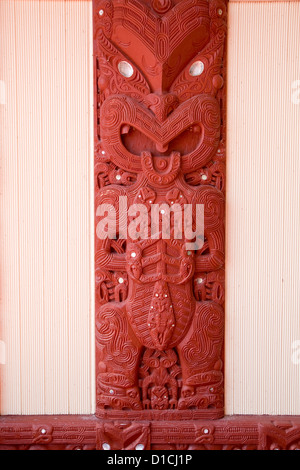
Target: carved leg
pixel 201 359
pixel 118 356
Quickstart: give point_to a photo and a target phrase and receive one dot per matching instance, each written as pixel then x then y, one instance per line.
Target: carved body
pixel 160 318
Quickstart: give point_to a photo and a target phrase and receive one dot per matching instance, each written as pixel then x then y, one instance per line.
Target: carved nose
pixel 162 105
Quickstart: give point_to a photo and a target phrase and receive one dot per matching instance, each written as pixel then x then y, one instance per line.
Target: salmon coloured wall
pixel 46 247
pixel 263 208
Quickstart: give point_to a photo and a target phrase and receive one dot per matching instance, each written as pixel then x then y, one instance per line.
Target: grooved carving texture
pixel 159 140
pixel 90 433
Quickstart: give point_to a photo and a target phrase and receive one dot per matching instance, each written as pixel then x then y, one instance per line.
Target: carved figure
pixel 159 130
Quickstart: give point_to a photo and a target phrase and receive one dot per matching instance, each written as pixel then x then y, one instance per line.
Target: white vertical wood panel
pixel 46 199
pixel 9 222
pixel 55 204
pixel 263 229
pixel 30 186
pixel 79 83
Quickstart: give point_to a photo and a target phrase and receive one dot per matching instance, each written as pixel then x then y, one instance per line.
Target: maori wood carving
pixel 91 433
pixel 159 141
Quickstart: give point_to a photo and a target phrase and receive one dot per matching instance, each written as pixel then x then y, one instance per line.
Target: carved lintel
pixel 91 433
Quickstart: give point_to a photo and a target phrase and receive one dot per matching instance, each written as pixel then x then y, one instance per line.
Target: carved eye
pixel 197 68
pixel 125 69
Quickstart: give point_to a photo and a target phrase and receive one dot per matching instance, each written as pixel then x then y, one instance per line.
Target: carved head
pixel 159 71
pixel 159 398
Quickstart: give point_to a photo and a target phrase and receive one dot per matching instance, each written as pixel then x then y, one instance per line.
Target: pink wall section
pixel 46 248
pixel 263 208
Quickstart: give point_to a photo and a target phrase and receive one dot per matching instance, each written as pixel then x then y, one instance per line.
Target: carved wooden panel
pixel 159 146
pixel 90 433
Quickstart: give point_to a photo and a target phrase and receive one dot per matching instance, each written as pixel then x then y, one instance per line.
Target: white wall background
pixel 46 211
pixel 263 209
pixel 46 193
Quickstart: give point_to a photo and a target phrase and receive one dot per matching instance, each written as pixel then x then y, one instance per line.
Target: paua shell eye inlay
pixel 125 69
pixel 197 69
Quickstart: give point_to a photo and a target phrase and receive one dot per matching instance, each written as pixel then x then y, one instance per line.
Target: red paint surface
pixel 161 131
pixel 90 433
pixel 160 140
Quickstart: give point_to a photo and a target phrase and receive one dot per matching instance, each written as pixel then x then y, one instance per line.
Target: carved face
pixel 158 110
pixel 159 398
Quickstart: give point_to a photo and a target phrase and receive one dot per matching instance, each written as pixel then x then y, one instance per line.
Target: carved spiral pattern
pixel 156 178
pixel 161 6
pixel 112 334
pixel 160 140
pixel 211 116
pixel 206 342
pixel 214 207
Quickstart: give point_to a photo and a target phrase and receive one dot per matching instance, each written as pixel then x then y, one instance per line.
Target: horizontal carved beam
pixel 91 433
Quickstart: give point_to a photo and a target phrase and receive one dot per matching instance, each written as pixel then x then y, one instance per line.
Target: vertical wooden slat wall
pixel 46 185
pixel 10 319
pixel 263 209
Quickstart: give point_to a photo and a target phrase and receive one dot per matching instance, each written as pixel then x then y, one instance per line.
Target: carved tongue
pixel 161 164
pixel 161 170
pixel 161 319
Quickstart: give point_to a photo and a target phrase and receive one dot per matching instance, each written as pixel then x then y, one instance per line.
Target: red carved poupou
pixel 160 143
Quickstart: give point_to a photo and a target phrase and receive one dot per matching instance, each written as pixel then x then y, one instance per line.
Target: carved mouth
pixel 128 130
pixel 136 142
